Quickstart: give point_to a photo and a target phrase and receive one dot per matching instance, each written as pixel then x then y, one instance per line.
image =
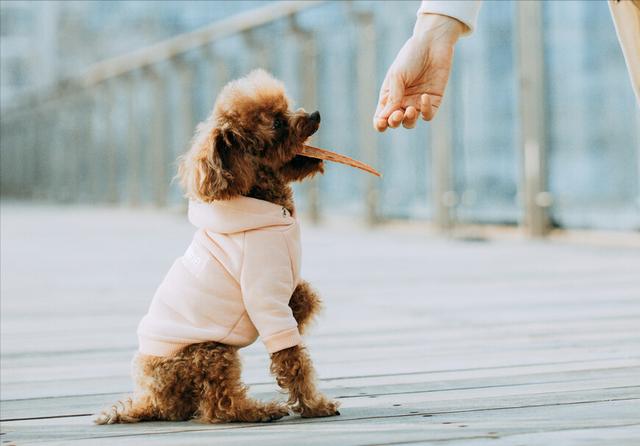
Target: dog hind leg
pixel 163 391
pixel 128 411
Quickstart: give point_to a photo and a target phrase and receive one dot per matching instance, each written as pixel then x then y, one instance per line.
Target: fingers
pixel 389 112
pixel 410 117
pixel 396 94
pixel 407 117
pixel 380 124
pixel 395 119
pixel 426 110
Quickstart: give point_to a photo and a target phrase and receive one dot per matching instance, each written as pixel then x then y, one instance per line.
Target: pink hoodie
pixel 233 283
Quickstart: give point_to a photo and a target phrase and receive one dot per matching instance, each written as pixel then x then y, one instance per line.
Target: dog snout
pixel 306 124
pixel 315 116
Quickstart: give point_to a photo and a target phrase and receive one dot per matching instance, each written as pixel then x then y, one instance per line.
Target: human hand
pixel 416 80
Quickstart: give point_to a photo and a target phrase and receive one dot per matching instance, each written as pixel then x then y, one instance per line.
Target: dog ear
pixel 216 167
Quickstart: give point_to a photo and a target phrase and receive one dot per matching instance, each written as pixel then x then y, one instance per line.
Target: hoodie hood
pixel 238 215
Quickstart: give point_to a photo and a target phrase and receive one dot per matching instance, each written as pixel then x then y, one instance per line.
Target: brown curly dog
pixel 247 147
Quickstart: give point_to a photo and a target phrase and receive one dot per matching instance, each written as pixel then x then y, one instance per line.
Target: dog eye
pixel 278 123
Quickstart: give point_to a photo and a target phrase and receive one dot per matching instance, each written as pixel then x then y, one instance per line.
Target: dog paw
pixel 103 418
pixel 117 414
pixel 325 408
pixel 114 417
pixel 275 412
pixel 264 414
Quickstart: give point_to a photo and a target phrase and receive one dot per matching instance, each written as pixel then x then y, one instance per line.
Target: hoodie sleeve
pixel 465 11
pixel 267 284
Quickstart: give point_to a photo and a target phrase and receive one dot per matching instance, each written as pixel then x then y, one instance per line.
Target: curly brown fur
pixel 202 381
pixel 248 146
pixel 294 372
pixel 305 305
pixel 301 167
pixel 270 186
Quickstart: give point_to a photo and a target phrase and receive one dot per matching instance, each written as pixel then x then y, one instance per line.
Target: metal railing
pixel 111 135
pixel 65 140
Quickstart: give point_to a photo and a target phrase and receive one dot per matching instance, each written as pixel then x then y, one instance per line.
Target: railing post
pixel 367 94
pixel 44 179
pixel 185 74
pixel 40 164
pixel 72 145
pixel 7 157
pixel 133 140
pixel 309 80
pixel 5 161
pixel 187 122
pixel 19 139
pixel 533 187
pixel 97 132
pixel 24 175
pixel 218 74
pixel 444 196
pixel 158 138
pixel 108 141
pixel 84 142
pixel 57 158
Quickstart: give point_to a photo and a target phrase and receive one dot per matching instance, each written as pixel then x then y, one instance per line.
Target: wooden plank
pixel 356 387
pixel 98 326
pixel 510 325
pixel 329 366
pixel 537 336
pixel 369 417
pixel 116 363
pixel 416 330
pixel 624 435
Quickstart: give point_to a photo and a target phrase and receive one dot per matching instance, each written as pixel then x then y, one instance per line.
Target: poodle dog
pixel 239 277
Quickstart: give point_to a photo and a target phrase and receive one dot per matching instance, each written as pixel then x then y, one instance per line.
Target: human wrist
pixel 437 26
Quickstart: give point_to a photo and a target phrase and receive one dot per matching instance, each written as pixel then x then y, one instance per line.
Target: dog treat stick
pixel 323 154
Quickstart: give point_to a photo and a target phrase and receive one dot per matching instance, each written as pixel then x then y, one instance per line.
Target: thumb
pixel 396 94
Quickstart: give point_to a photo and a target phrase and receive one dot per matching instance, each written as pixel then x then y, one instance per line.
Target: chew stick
pixel 323 154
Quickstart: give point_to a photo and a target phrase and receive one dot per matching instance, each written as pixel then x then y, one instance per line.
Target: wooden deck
pixel 423 339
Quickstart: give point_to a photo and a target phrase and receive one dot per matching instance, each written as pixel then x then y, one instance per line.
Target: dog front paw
pixel 323 408
pixel 275 411
pixel 257 413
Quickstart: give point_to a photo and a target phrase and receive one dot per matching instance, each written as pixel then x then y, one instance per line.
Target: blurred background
pixel 100 97
pixel 450 288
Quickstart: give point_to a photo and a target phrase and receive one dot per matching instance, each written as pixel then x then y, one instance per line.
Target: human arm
pixel 416 80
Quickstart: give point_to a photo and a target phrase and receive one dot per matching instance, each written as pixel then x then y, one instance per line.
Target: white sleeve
pixel 267 284
pixel 465 11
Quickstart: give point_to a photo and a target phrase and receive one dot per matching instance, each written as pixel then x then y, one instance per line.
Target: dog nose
pixel 315 116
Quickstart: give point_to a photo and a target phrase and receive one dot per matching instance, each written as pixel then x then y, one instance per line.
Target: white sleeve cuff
pixel 465 11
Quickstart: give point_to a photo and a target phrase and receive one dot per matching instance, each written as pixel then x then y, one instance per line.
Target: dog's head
pixel 250 126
